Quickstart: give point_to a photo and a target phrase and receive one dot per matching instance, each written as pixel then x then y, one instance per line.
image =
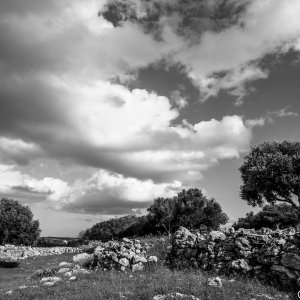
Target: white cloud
pixel 267 26
pixel 17 150
pixel 15 184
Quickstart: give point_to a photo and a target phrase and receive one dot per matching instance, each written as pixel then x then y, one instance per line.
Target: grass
pixel 132 286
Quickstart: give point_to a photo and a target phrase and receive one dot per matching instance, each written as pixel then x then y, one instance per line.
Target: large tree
pixel 271 173
pixel 16 223
pixel 190 208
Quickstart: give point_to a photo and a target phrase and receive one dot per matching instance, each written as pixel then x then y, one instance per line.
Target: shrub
pixel 16 223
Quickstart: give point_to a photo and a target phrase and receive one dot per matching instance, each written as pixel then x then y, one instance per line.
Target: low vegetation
pixel 189 208
pixel 153 281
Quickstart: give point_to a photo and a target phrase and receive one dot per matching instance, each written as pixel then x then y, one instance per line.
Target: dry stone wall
pixel 22 252
pixel 271 256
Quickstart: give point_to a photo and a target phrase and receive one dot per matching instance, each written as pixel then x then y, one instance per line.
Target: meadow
pixel 153 281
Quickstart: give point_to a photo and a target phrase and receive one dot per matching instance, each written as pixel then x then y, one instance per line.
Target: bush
pixel 16 224
pixel 271 216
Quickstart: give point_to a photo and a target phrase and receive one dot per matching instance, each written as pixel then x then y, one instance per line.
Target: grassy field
pixel 132 286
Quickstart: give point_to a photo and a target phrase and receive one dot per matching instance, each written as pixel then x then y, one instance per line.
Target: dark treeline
pixel 189 208
pixel 271 216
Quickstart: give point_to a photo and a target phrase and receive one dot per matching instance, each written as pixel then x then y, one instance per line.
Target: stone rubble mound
pixel 124 255
pixel 272 256
pixel 22 252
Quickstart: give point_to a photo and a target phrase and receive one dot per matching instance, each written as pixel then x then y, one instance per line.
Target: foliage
pixel 16 224
pixel 190 209
pixel 271 216
pixel 110 229
pixel 271 172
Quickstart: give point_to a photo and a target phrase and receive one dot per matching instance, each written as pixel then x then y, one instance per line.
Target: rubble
pixel 272 256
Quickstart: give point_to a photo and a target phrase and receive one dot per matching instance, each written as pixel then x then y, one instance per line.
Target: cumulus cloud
pixel 58 100
pixel 220 43
pixel 14 183
pixel 103 193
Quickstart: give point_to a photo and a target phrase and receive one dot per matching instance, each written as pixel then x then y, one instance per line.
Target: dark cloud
pixel 188 17
pixel 93 204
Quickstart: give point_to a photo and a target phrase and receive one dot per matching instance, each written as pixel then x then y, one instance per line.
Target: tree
pixel 110 229
pixel 190 209
pixel 271 172
pixel 272 216
pixel 162 212
pixel 16 223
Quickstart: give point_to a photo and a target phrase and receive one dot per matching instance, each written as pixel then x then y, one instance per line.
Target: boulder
pixel 217 236
pixel 83 259
pixel 214 281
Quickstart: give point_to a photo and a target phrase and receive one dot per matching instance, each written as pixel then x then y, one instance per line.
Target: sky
pixel 106 105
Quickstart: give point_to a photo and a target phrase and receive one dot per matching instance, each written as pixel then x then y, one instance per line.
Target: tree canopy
pixel 16 223
pixel 190 209
pixel 271 173
pixel 272 216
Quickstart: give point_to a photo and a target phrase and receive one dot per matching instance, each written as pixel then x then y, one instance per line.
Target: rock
pixel 240 264
pixel 152 259
pixel 217 236
pixel 81 271
pixel 68 274
pixel 73 278
pixel 8 293
pixel 63 270
pixel 291 260
pixel 214 281
pixel 124 262
pixel 65 265
pixel 53 279
pixel 49 283
pixel 175 296
pixel 83 259
pixel 137 267
pixel 139 258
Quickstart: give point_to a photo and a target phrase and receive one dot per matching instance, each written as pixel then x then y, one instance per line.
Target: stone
pixel 217 236
pixel 152 259
pixel 137 267
pixel 73 278
pixel 80 271
pixel 124 262
pixel 8 293
pixel 240 264
pixel 63 270
pixel 49 283
pixel 175 295
pixel 291 260
pixel 139 258
pixel 214 281
pixel 83 259
pixel 53 279
pixel 65 265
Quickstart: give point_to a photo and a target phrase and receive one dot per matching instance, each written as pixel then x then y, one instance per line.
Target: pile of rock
pixel 123 255
pixel 10 254
pixel 272 256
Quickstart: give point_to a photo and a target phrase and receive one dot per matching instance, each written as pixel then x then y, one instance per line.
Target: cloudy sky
pixel 106 105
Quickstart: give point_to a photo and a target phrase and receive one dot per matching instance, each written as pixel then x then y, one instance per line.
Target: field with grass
pixel 153 281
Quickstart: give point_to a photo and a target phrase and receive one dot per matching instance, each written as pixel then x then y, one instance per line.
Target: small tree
pixel 271 172
pixel 16 224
